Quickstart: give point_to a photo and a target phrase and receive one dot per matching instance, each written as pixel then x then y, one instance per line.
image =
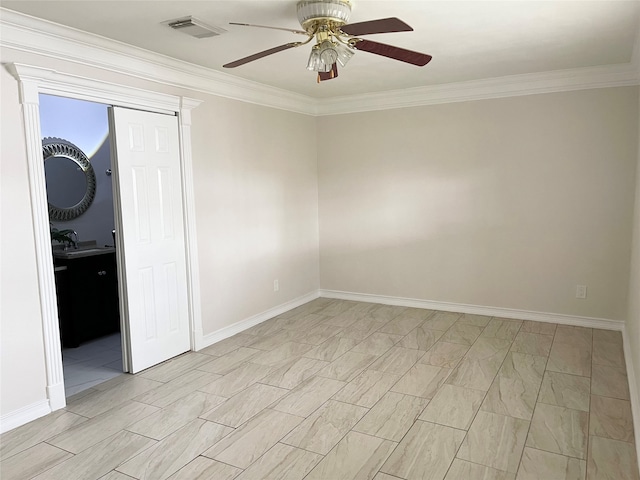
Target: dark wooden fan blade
pixel 259 55
pixel 333 73
pixel 384 25
pixel 300 32
pixel 397 53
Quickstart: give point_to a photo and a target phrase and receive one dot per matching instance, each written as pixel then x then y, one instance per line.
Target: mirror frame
pixel 57 147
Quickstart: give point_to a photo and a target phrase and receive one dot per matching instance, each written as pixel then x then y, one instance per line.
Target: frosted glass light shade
pixel 344 53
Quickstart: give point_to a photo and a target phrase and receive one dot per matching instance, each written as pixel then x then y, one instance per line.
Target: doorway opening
pixel 78 175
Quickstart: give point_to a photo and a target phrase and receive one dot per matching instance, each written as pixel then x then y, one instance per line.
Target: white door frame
pixel 35 80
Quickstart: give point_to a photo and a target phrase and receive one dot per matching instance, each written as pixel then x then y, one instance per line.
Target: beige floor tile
pixel 573 359
pixel 83 393
pixel 607 336
pixel 444 354
pixel 473 319
pixel 570 335
pixel 318 334
pixel 422 380
pixel 113 475
pixel 515 388
pixel 336 308
pixel 610 354
pixel 441 320
pixel 346 319
pixel 504 328
pixel 304 323
pixel 175 367
pixel 377 343
pixel 323 429
pixel 453 407
pixel 224 364
pixel 559 430
pixel 495 441
pixel 237 380
pixel 384 476
pixel 609 382
pixel 481 364
pixel 32 461
pixel 611 418
pixel 249 442
pixel 367 388
pixel 100 459
pixel 417 313
pixel 540 465
pixel 392 417
pixel 532 343
pixel 420 338
pixel 264 329
pixel 29 435
pixel 203 468
pixel 541 328
pixel 98 428
pixel 347 367
pixel 100 401
pixel 180 387
pixel 294 372
pixel 308 396
pixel 426 452
pixel 228 345
pixel 611 460
pixel 282 354
pixel 362 328
pixel 386 312
pixel 356 457
pixel 462 333
pixel 565 390
pixel 331 349
pixel 175 451
pixel 176 415
pixel 401 325
pixel 271 342
pixel 282 462
pixel 245 405
pixel 398 360
pixel 463 470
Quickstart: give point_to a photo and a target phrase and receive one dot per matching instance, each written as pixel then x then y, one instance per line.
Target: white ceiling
pixel 469 40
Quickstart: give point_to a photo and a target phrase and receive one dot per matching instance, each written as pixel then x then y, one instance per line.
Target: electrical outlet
pixel 581 291
pixel 276 286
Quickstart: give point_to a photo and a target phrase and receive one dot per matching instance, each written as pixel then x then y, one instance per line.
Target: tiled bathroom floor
pixel 345 390
pixel 91 363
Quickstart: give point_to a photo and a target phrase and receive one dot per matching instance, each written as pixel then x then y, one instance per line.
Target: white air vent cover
pixel 194 27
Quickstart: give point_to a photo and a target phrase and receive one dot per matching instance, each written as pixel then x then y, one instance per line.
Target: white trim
pixel 478 310
pixel 23 415
pixel 633 386
pixel 242 325
pixel 30 34
pixel 33 81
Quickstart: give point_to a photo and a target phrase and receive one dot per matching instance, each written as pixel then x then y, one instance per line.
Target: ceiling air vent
pixel 194 27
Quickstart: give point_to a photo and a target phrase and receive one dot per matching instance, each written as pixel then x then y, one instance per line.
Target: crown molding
pixel 30 34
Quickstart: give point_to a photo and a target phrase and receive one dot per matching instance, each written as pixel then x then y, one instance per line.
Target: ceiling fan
pixel 336 40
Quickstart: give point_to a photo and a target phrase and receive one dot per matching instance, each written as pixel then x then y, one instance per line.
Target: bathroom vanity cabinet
pixel 87 288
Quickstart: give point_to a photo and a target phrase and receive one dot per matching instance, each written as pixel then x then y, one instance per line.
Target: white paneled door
pixel 150 217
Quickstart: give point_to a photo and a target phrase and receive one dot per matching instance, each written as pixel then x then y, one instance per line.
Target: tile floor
pixel 345 390
pixel 91 363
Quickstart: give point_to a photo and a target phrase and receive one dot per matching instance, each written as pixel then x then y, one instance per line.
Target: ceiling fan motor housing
pixel 313 12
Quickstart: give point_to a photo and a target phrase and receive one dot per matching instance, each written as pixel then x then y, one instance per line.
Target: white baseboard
pixel 590 322
pixel 238 327
pixel 24 415
pixel 633 387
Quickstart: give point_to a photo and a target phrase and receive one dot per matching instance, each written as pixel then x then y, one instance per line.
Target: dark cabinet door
pixel 92 299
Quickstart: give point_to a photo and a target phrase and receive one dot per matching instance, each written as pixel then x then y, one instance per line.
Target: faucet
pixel 77 240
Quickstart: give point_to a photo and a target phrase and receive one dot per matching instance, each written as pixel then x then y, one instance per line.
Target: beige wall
pixel 22 368
pixel 255 177
pixel 257 197
pixel 504 203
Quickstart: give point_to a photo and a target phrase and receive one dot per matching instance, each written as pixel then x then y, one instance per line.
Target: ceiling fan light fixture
pixel 344 53
pixel 328 53
pixel 309 11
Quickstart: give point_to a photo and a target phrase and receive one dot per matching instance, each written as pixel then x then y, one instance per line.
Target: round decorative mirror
pixel 71 181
